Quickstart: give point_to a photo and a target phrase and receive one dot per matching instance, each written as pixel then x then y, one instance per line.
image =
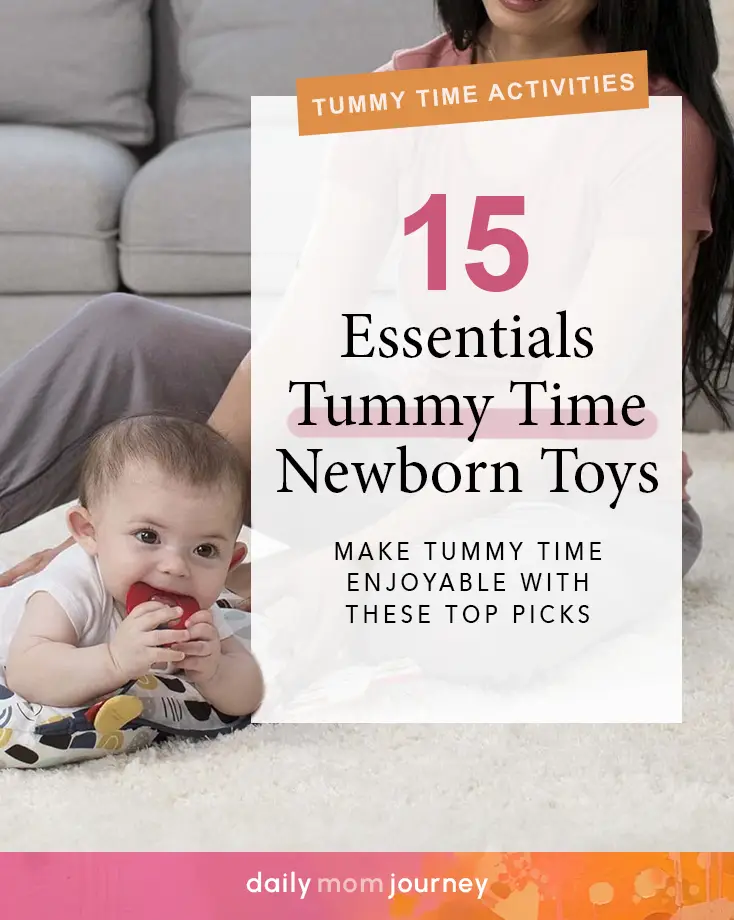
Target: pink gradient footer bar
pixel 438 886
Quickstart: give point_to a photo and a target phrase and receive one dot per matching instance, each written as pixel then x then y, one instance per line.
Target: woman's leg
pixel 120 355
pixel 692 537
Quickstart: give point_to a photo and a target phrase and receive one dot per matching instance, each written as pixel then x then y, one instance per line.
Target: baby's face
pixel 173 536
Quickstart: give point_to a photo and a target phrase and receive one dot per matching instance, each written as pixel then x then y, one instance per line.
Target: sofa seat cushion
pixel 61 193
pixel 185 225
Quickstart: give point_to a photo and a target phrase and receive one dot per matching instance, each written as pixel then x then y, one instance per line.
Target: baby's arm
pixel 45 666
pixel 237 686
pixel 223 670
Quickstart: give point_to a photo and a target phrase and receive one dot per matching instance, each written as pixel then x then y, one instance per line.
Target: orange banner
pixel 483 92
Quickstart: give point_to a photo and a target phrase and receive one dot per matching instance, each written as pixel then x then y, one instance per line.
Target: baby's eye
pixel 147 536
pixel 207 551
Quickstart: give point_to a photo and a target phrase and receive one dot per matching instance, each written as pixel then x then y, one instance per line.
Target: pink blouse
pixel 699 155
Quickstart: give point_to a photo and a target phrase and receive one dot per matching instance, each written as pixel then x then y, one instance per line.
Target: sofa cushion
pixel 233 49
pixel 185 225
pixel 61 192
pixel 77 63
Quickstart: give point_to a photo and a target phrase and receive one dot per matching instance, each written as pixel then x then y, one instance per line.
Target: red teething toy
pixel 140 593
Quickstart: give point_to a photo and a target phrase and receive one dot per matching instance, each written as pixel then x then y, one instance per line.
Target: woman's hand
pixel 284 573
pixel 239 582
pixel 33 564
pixel 297 594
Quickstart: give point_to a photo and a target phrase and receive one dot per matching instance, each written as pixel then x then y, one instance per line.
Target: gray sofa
pixel 124 140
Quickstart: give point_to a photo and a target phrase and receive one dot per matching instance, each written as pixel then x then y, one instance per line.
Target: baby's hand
pixel 137 646
pixel 201 647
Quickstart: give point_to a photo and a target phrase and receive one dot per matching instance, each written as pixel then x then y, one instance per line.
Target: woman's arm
pixel 351 232
pixel 350 235
pixel 232 417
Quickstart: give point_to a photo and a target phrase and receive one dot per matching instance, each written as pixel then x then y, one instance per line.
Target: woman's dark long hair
pixel 680 39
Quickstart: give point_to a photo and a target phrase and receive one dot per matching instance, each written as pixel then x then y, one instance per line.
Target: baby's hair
pixel 191 452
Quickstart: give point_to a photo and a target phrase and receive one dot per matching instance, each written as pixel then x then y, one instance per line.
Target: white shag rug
pixel 450 788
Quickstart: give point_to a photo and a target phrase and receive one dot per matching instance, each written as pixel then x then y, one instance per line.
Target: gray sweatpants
pixel 122 355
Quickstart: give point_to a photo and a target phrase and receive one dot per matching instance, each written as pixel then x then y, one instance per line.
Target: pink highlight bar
pixel 496 424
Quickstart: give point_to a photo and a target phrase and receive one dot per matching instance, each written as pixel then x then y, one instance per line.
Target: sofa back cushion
pixel 81 64
pixel 231 50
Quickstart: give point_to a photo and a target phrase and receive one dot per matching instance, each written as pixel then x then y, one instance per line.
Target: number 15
pixel 481 236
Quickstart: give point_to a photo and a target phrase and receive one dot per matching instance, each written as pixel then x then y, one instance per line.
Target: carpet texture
pixel 315 787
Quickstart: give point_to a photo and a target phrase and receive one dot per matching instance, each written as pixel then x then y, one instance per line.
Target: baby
pixel 161 501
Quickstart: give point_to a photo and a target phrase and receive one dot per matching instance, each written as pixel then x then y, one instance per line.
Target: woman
pixel 123 354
